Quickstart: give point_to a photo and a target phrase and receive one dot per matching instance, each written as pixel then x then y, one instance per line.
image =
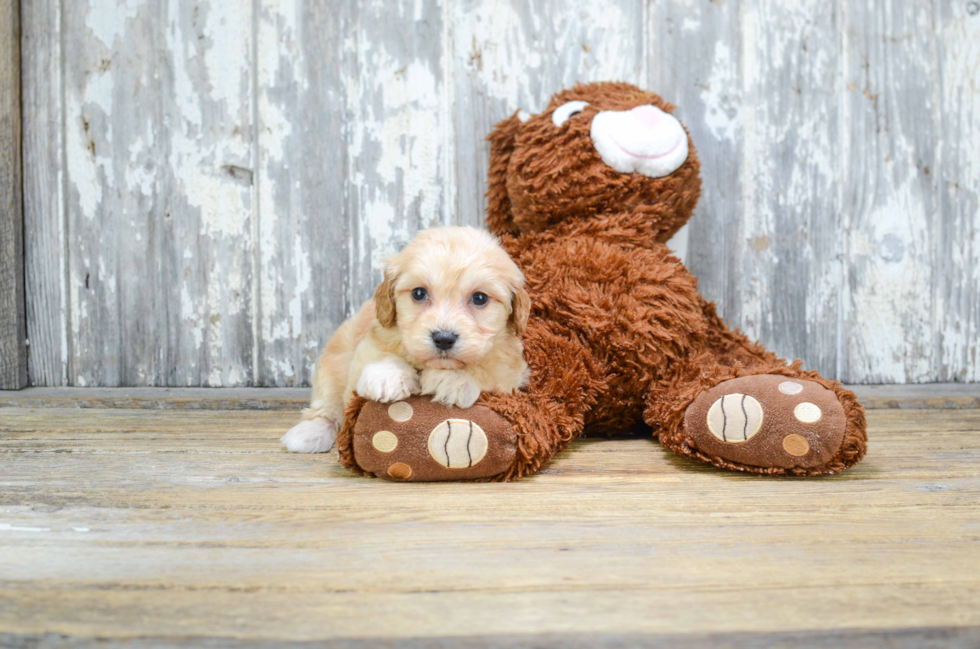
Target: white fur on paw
pixel 310 436
pixel 450 388
pixel 388 380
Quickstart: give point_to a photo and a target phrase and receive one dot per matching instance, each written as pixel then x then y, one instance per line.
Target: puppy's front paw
pixel 388 380
pixel 310 436
pixel 450 388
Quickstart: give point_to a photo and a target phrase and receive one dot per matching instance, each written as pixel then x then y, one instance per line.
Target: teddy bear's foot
pixel 767 421
pixel 417 440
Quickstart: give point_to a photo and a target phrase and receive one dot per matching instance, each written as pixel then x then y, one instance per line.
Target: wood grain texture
pixel 159 142
pixel 958 241
pixel 941 396
pixel 45 240
pixel 13 327
pixel 170 525
pixel 831 240
pixel 290 399
pixel 762 109
pixel 211 188
pixel 890 141
pixel 787 261
pixel 705 82
pixel 901 638
pixel 303 243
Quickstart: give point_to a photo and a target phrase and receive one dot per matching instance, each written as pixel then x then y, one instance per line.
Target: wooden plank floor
pixel 152 526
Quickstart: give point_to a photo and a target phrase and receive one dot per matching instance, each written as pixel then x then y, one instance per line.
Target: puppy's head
pixel 452 293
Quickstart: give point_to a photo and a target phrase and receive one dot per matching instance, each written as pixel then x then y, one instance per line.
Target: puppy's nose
pixel 444 340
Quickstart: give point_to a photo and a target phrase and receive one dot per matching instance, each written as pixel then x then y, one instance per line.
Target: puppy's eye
pixel 566 110
pixel 479 299
pixel 420 294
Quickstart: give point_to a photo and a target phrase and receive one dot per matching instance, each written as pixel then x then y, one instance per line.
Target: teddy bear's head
pixel 598 149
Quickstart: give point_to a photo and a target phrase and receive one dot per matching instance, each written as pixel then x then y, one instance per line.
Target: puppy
pixel 446 321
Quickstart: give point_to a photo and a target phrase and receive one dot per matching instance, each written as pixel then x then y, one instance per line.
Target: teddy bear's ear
pixel 500 220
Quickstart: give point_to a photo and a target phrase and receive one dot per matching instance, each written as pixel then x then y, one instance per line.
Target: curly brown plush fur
pixel 618 334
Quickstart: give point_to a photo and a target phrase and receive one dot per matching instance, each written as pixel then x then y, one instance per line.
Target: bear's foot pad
pixel 416 440
pixel 767 421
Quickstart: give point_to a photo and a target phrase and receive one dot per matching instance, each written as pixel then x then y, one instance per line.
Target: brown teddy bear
pixel 584 197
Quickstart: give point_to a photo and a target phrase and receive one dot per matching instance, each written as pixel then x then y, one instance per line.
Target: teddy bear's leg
pixel 502 437
pixel 768 417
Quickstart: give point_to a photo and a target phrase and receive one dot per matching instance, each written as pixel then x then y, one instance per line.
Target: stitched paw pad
pixel 767 421
pixel 418 439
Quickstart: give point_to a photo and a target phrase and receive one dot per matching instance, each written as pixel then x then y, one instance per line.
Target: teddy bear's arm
pixel 502 437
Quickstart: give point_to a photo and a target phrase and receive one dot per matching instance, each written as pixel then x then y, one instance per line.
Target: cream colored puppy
pixel 446 321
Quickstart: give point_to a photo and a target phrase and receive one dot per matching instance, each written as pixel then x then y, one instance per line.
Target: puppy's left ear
pixel 520 310
pixel 384 300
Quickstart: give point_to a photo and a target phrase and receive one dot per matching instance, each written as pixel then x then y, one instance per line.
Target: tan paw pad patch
pixel 400 471
pixel 807 412
pixel 803 427
pixel 400 411
pixel 796 445
pixel 735 417
pixel 457 444
pixel 433 442
pixel 385 441
pixel 790 387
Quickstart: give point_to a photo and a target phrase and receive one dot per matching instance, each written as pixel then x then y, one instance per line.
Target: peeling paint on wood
pixel 760 103
pixel 212 187
pixel 515 55
pixel 958 177
pixel 45 240
pixel 705 82
pixel 303 240
pixel 158 108
pixel 889 207
pixel 790 288
pixel 400 132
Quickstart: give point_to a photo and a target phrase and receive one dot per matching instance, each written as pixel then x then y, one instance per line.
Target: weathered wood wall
pixel 211 187
pixel 13 329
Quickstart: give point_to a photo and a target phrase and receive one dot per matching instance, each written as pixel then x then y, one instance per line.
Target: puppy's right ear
pixel 500 221
pixel 384 300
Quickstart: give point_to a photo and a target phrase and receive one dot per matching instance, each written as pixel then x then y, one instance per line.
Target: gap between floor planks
pixel 874 397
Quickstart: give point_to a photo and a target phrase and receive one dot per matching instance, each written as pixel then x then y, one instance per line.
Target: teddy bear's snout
pixel 643 140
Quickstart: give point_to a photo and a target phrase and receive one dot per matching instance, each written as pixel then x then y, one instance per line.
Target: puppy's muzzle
pixel 444 340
